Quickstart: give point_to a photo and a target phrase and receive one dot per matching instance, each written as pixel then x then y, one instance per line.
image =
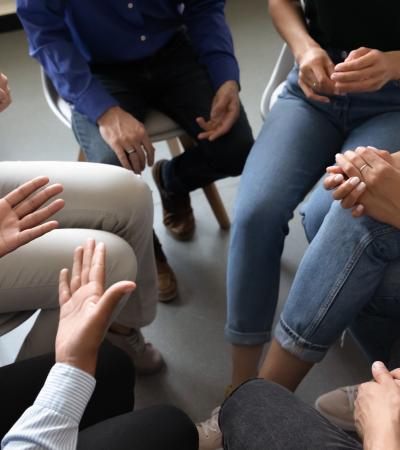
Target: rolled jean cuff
pixel 298 346
pixel 240 338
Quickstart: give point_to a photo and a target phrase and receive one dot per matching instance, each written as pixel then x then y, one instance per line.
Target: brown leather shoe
pixel 177 211
pixel 167 284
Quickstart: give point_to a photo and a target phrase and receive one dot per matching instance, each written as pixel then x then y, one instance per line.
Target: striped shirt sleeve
pixel 52 421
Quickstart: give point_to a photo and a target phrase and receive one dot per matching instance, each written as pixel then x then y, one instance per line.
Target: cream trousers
pixel 105 202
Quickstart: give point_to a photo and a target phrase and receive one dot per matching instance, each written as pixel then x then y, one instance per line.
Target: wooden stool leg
pixel 174 147
pixel 81 157
pixel 214 199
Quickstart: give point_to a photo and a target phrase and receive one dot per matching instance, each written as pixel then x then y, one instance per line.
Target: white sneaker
pixel 146 358
pixel 210 436
pixel 338 407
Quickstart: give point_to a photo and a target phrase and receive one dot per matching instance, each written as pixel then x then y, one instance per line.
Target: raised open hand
pixel 22 214
pixel 85 308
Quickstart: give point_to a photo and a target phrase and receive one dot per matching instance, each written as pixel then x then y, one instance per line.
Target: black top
pixel 350 24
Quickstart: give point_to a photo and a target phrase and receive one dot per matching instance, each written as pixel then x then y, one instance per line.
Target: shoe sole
pixel 167 298
pixel 181 237
pixel 344 425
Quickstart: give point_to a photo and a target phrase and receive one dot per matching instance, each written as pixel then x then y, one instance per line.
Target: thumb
pixel 111 297
pixel 380 373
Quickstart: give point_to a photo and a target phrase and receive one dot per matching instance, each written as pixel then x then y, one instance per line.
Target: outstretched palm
pixel 85 308
pixel 21 220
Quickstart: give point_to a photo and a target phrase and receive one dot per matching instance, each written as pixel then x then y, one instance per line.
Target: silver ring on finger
pixel 130 151
pixel 314 85
pixel 363 167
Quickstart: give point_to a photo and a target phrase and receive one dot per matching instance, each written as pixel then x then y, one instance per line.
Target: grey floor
pixel 189 331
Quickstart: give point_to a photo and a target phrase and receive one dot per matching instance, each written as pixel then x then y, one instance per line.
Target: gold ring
pixel 363 167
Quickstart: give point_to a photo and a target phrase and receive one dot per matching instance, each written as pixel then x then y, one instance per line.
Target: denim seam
pixel 300 341
pixel 363 244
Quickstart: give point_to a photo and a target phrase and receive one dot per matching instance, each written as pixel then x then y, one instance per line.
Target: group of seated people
pixel 334 126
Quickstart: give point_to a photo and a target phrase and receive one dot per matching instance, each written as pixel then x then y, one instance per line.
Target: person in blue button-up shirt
pixel 114 59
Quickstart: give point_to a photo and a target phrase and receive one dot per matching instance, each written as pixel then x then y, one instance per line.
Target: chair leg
pixel 210 191
pixel 174 147
pixel 81 156
pixel 217 206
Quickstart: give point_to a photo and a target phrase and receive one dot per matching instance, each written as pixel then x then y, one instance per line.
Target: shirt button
pixel 143 37
pixel 130 5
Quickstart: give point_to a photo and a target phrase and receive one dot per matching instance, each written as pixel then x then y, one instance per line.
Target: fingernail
pixel 361 186
pixel 354 181
pixel 338 177
pixel 378 365
pixel 359 208
pixel 337 155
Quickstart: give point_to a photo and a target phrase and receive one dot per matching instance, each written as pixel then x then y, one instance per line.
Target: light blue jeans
pixel 342 273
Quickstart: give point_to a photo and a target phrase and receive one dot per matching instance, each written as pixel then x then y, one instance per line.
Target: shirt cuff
pixel 223 68
pixel 95 101
pixel 67 391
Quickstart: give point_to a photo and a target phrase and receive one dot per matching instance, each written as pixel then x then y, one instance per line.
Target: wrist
pixel 394 64
pixel 87 364
pixel 232 84
pixel 384 439
pixel 104 117
pixel 302 47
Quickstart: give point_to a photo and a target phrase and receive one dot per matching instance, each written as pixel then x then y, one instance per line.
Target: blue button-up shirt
pixel 67 35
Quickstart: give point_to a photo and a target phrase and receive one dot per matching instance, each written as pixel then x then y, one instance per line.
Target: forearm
pixel 288 19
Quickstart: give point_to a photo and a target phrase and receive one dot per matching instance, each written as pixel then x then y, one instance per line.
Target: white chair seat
pixel 159 126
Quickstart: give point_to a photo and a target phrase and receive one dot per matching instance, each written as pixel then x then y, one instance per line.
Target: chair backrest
pixel 282 68
pixel 62 111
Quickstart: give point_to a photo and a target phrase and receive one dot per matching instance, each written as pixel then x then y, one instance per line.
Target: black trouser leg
pixel 156 428
pixel 21 382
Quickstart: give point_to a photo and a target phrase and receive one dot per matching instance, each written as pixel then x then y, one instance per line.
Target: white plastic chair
pixel 277 81
pixel 159 127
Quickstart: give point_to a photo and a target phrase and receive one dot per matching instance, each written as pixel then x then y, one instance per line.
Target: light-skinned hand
pixel 22 214
pixel 5 93
pixel 371 191
pixel 86 307
pixel 315 70
pixel 366 70
pixel 377 410
pixel 124 133
pixel 225 110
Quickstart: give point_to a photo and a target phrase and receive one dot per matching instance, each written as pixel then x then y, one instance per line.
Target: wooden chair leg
pixel 217 206
pixel 210 191
pixel 81 156
pixel 174 147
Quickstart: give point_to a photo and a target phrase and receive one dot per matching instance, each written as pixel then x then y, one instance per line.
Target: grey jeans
pixel 261 415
